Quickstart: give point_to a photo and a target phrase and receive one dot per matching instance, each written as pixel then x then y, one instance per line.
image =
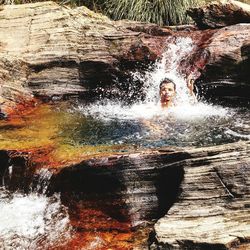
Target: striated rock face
pixel 137 187
pixel 203 192
pixel 223 52
pixel 143 186
pixel 226 70
pixel 220 14
pixel 48 50
pixel 213 209
pixel 229 49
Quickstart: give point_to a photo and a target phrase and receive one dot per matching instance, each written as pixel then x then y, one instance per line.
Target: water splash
pixel 112 110
pixel 176 53
pixel 32 221
pixel 146 123
pixel 42 177
pixel 168 66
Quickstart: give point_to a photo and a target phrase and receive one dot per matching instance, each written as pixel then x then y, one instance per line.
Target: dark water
pixel 202 126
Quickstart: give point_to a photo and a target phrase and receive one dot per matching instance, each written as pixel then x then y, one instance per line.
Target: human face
pixel 167 93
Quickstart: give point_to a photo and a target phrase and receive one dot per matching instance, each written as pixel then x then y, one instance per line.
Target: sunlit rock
pixel 212 211
pixel 48 50
pixel 219 14
pixel 225 71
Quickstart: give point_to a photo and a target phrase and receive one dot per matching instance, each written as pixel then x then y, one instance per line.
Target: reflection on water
pixel 148 125
pixel 112 127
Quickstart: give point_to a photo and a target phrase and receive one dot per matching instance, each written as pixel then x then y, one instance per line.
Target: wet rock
pixel 212 211
pixel 4 159
pixel 49 50
pixel 203 193
pixel 220 14
pixel 222 54
pixel 15 97
pixel 143 186
pixel 15 171
pixel 134 187
pixel 229 51
pixel 221 61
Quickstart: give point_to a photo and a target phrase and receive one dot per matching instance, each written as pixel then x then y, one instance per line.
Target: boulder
pixel 212 211
pixel 223 59
pixel 219 14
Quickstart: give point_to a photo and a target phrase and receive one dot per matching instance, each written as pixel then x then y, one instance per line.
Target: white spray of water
pixel 43 176
pixel 113 110
pixel 167 66
pixel 33 221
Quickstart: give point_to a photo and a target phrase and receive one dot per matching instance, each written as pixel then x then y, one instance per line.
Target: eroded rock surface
pixel 220 14
pixel 225 61
pixel 48 50
pixel 213 209
pixel 226 72
pixel 204 192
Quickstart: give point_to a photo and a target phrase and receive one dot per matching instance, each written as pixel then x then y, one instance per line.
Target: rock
pixel 220 62
pixel 225 71
pixel 203 192
pixel 220 14
pixel 148 183
pixel 148 28
pixel 229 49
pixel 49 50
pixel 213 209
pixel 15 171
pixel 134 185
pixel 14 96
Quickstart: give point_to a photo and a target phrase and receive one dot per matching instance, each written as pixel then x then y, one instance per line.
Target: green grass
pixel 162 12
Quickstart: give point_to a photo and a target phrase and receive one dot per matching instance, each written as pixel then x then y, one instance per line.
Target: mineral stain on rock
pixel 115 193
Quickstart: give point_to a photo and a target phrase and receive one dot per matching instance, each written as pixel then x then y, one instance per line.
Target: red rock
pixel 220 14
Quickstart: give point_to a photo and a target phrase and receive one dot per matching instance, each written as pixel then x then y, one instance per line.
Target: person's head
pixel 167 92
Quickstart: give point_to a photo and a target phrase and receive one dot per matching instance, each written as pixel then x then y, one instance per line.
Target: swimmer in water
pixel 167 98
pixel 168 92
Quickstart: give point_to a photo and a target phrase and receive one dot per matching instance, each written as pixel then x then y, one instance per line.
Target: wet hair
pixel 167 80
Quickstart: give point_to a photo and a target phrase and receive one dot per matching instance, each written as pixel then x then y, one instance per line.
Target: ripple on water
pixel 151 126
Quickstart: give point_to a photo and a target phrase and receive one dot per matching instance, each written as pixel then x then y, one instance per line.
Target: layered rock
pixel 220 14
pixel 226 71
pixel 203 192
pixel 48 50
pixel 212 211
